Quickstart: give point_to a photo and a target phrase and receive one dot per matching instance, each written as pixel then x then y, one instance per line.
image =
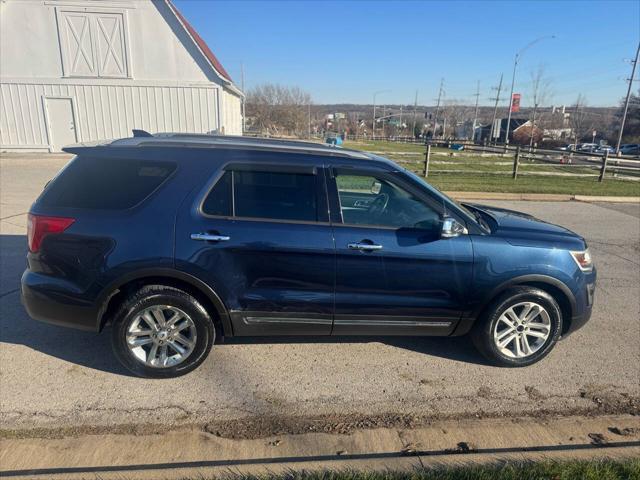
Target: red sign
pixel 515 103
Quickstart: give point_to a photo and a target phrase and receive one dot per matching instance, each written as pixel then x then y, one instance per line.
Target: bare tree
pixel 454 113
pixel 632 126
pixel 278 109
pixel 540 94
pixel 581 122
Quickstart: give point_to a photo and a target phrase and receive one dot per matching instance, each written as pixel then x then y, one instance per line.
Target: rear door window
pixel 264 194
pixel 105 183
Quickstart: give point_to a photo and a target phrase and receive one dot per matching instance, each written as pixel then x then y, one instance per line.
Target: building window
pixel 93 44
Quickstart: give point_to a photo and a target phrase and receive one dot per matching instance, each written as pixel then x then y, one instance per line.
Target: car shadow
pixel 453 348
pixel 93 350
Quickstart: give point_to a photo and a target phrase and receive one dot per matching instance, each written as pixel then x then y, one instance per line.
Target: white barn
pixel 80 70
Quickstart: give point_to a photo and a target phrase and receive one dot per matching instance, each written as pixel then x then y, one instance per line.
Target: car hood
pixel 520 228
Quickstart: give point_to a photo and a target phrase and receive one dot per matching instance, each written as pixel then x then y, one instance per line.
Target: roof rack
pixel 142 138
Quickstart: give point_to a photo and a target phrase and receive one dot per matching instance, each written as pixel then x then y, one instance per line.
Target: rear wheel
pixel 519 328
pixel 161 332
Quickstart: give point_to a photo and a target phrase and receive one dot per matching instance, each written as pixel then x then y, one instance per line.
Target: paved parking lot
pixel 51 376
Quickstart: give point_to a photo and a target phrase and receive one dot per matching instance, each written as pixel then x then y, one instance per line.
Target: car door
pixel 394 272
pixel 260 237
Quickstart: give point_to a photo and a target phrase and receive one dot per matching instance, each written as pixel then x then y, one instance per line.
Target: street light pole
pixel 373 134
pixel 626 102
pixel 513 80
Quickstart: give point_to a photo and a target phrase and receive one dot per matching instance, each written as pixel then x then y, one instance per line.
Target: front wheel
pixel 161 332
pixel 519 328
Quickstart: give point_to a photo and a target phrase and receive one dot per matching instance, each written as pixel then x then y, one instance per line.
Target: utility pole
pixel 626 102
pixel 243 93
pixel 309 118
pixel 415 107
pixel 495 110
pixel 475 115
pixel 435 118
pixel 513 80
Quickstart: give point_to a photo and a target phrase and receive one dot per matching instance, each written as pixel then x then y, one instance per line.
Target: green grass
pixel 476 173
pixel 533 184
pixel 545 470
pixel 381 146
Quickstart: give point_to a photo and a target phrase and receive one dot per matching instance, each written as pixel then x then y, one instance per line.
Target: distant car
pixel 630 149
pixel 176 239
pixel 605 148
pixel 588 147
pixel 568 148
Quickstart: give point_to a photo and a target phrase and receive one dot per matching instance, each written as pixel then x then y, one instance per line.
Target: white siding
pixel 105 111
pixel 133 67
pixel 232 114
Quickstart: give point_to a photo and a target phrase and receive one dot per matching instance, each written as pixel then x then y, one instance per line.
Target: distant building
pixel 558 133
pixel 81 70
pixel 497 134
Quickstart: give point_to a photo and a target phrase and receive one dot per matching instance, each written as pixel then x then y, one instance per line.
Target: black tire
pixel 149 296
pixel 483 330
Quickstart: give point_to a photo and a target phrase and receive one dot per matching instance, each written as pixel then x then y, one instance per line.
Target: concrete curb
pixel 193 453
pixel 539 197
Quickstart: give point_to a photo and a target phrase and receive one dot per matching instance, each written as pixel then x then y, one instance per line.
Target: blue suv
pixel 177 241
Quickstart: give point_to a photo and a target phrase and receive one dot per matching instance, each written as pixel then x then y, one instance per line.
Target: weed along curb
pixel 540 197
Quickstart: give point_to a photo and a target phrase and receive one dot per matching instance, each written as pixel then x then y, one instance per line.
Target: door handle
pixel 209 237
pixel 366 247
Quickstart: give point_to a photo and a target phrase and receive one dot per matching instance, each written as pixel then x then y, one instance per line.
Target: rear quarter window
pixel 105 183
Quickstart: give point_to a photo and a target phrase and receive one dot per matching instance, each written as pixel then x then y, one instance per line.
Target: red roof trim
pixel 201 43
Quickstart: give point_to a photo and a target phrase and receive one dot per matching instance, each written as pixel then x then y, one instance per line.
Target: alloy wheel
pixel 522 330
pixel 161 336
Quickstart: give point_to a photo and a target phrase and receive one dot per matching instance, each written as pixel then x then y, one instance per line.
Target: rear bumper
pixel 56 301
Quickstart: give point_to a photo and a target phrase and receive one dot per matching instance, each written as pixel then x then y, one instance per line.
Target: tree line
pixel 281 110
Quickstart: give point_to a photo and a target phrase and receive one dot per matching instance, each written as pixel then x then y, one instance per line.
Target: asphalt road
pixel 51 377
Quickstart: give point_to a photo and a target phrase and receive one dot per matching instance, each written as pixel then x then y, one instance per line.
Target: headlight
pixel 583 259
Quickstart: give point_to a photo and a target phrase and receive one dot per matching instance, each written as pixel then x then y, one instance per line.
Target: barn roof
pixel 202 46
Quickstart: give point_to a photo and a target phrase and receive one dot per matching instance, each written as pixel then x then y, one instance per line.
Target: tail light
pixel 39 226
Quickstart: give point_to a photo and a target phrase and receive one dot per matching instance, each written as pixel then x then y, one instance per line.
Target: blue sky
pixel 344 51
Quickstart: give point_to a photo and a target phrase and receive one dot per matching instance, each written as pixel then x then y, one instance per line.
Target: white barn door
pixel 93 44
pixel 80 58
pixel 60 122
pixel 111 49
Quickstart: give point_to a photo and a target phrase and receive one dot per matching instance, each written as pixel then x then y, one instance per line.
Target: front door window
pixel 378 202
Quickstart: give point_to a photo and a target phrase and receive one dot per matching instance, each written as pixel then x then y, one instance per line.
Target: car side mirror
pixel 452 228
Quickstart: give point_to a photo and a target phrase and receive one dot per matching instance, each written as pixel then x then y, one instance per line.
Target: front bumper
pixel 584 306
pixel 52 300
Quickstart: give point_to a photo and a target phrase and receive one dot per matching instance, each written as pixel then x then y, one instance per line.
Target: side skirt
pixel 246 323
